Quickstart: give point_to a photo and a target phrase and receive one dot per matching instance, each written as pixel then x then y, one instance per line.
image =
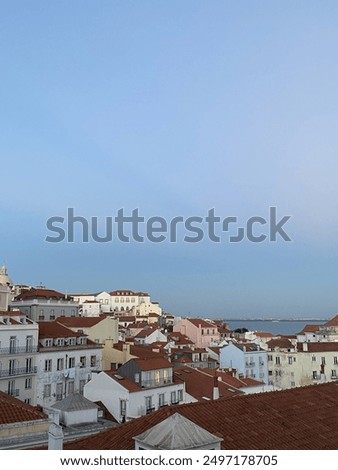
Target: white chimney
pixel 55 433
pixel 215 391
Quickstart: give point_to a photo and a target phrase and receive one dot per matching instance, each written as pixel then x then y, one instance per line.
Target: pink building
pixel 203 333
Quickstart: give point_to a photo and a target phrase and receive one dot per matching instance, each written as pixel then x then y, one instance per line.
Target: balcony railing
pixel 18 371
pixel 19 350
pixel 156 383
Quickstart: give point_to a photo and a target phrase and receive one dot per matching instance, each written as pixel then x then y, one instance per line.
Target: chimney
pixel 55 433
pixel 215 391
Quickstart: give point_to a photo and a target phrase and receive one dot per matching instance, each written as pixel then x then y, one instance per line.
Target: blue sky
pixel 175 108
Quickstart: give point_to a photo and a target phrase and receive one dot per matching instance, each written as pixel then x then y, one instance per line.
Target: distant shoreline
pixel 277 319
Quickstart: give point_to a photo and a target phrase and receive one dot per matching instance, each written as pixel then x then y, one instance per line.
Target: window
pixel 323 361
pixel 123 408
pixel 290 360
pixel 27 401
pixel 149 404
pixel 59 364
pixel 92 361
pixel 48 365
pixel 11 388
pixel 173 398
pixel 71 362
pixel 29 343
pixel 59 387
pixel 314 375
pixel 81 386
pixel 278 360
pixel 334 374
pixel 180 395
pixel 270 357
pixel 47 390
pixel 12 344
pixel 62 313
pixel 60 342
pixel 137 378
pixel 71 386
pixel 161 399
pixel 270 372
pixel 313 358
pixel 29 365
pixel 293 384
pixel 41 317
pixel 73 313
pixel 83 361
pixel 157 377
pixel 335 360
pixel 28 383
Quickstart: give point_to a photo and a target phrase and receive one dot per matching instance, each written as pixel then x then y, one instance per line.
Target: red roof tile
pixel 80 322
pixel 282 420
pixel 332 322
pixel 13 410
pixel 319 347
pixel 40 293
pixel 53 329
pixel 283 343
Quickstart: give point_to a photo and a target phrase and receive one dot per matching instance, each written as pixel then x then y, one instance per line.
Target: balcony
pixel 17 371
pixel 18 350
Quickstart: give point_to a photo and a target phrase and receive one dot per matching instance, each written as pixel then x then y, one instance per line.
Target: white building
pixel 66 362
pixel 18 356
pixel 305 364
pixel 138 387
pixel 126 300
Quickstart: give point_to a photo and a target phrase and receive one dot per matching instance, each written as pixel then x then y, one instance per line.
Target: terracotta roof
pixel 262 334
pixel 332 322
pixel 282 420
pixel 200 384
pixel 53 329
pixel 144 351
pixel 201 322
pixel 231 380
pixel 40 293
pixel 309 329
pixel 13 410
pixel 179 338
pixel 146 332
pixel 126 318
pixel 12 313
pixel 78 322
pixel 152 363
pixel 319 347
pixel 123 381
pixel 283 343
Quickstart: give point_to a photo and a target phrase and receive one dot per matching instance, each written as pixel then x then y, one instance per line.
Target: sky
pixel 174 108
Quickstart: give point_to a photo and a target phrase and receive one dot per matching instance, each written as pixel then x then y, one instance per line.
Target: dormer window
pixel 48 343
